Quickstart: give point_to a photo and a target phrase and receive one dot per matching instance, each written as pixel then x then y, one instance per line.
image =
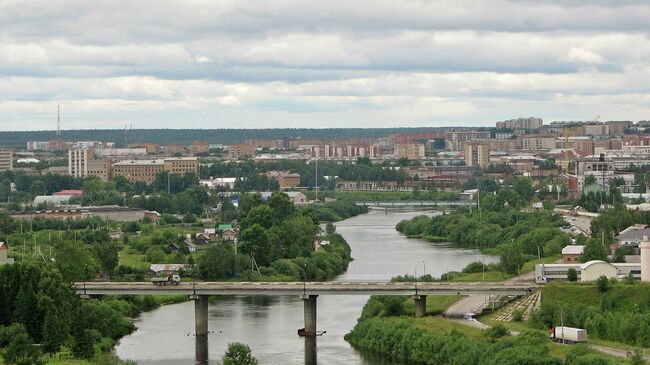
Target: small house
pixel 211 233
pixel 201 239
pixel 229 235
pixel 174 247
pixel 572 253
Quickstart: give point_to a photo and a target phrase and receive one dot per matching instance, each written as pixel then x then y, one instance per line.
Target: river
pixel 268 324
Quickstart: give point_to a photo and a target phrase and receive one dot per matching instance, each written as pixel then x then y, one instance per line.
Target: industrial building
pixel 588 271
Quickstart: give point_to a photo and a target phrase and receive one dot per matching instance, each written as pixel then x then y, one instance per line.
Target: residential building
pixel 120 152
pixel 199 147
pixel 6 160
pixel 242 149
pixel 596 129
pixel 411 151
pixel 150 148
pixel 146 170
pixel 78 161
pixel 618 127
pixel 172 149
pixel 521 123
pixel 454 139
pixel 538 142
pixel 286 180
pixel 38 145
pixel 477 154
pixel 138 170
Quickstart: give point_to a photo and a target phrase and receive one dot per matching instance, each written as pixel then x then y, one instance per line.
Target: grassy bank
pixel 387 329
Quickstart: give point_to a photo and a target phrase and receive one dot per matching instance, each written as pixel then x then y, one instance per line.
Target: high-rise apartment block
pixel 6 160
pixel 477 154
pixel 521 123
pixel 411 151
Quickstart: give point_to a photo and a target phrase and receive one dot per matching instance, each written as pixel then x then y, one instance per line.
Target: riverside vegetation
pixel 387 328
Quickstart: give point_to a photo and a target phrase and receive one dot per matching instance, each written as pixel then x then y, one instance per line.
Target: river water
pixel 268 324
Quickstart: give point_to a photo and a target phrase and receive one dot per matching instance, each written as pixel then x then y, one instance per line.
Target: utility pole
pixel 316 177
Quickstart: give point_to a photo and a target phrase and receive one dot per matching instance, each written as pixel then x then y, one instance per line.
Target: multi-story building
pixel 146 170
pixel 477 154
pixel 454 139
pixel 334 151
pixel 38 145
pixel 521 123
pixel 139 170
pixel 596 129
pixel 199 147
pixel 618 127
pixel 538 142
pixel 241 149
pixel 181 165
pixel 286 180
pixel 505 145
pixel 150 148
pixel 120 152
pixel 102 169
pixel 411 151
pixel 172 149
pixel 6 160
pixel 78 159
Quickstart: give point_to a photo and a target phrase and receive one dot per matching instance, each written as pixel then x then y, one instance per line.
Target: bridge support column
pixel 420 305
pixel 310 314
pixel 201 315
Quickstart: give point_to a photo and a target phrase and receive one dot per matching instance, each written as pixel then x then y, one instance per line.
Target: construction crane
pixel 565 147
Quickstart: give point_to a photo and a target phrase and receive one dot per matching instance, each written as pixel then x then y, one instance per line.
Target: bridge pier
pixel 309 302
pixel 420 305
pixel 200 315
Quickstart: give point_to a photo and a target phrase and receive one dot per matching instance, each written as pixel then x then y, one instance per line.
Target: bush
pixel 517 315
pixel 602 283
pixel 572 274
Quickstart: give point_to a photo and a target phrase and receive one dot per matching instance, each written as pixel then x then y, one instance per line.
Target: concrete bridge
pixel 414 203
pixel 308 291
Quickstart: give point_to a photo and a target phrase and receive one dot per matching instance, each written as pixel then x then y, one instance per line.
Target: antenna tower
pixel 58 120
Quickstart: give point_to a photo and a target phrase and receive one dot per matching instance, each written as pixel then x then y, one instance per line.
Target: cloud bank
pixel 286 63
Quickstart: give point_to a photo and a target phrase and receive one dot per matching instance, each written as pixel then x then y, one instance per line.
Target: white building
pixel 588 271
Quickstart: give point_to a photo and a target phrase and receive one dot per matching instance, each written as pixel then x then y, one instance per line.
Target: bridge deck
pixel 300 288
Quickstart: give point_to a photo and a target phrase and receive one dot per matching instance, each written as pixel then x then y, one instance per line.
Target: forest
pixel 122 137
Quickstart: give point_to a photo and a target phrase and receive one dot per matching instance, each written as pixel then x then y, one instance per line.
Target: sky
pixel 320 64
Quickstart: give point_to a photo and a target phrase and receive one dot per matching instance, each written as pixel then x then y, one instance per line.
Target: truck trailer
pixel 568 335
pixel 164 280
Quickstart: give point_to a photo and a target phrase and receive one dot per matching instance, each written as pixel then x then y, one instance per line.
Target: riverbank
pixel 268 324
pixel 386 328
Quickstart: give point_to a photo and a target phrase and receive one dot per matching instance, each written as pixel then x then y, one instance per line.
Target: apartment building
pixel 78 161
pixel 538 142
pixel 505 145
pixel 146 170
pixel 521 123
pixel 242 149
pixel 6 160
pixel 411 151
pixel 477 154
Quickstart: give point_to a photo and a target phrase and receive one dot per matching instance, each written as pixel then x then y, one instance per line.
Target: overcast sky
pixel 328 63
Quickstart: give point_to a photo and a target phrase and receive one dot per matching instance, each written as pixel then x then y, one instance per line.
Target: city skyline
pixel 311 64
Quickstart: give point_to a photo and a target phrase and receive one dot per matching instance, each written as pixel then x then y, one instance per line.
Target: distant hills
pixel 19 139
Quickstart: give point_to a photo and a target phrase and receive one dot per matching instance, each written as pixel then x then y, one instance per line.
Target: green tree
pixel 594 250
pixel 239 354
pixel 38 188
pixel 572 274
pixel 20 349
pixel 590 179
pixel 255 241
pixel 107 255
pixel 53 334
pixel 281 205
pixel 83 345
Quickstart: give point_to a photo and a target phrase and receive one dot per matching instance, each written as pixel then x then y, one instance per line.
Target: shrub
pixel 602 283
pixel 572 274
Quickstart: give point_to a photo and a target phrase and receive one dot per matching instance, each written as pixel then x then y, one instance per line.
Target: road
pixel 303 288
pixel 582 223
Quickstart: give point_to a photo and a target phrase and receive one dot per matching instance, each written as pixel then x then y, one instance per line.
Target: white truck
pixel 568 335
pixel 171 279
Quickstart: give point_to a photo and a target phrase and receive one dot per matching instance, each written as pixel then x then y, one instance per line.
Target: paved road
pixel 303 288
pixel 581 222
pixel 470 305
